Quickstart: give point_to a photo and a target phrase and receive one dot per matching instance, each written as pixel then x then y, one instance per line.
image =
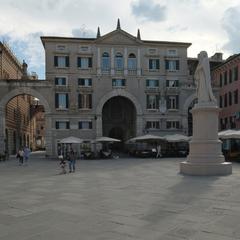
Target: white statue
pixel 203 79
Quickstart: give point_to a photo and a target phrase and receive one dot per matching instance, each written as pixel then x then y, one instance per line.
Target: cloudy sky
pixel 211 25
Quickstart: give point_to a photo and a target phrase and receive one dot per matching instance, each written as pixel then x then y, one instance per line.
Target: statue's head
pixel 202 55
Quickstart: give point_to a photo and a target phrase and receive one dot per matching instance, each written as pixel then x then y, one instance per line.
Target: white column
pixel 99 126
pixel 112 61
pixel 98 61
pixel 125 61
pixel 139 125
pixel 138 62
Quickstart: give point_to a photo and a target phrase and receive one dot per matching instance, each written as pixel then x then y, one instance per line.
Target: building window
pixel 105 61
pixel 225 78
pixel 60 81
pixel 153 64
pixel 172 65
pixel 85 101
pixel 61 100
pixel 118 82
pixel 235 97
pixel 230 75
pixel 62 125
pixel 152 83
pixel 230 98
pixel 220 79
pixel 152 125
pixel 152 101
pixel 85 82
pixel 220 101
pixel 172 52
pixel 172 102
pixel 84 62
pixel 85 125
pixel 173 124
pixel 132 62
pixel 225 100
pixel 172 83
pixel 61 61
pixel 119 62
pixel 235 73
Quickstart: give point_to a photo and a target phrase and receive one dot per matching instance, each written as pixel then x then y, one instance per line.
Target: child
pixel 62 164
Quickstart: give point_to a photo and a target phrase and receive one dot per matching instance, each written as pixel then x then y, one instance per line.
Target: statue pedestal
pixel 205 149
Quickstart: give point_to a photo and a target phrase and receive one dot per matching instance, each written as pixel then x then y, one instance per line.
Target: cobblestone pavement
pixel 116 199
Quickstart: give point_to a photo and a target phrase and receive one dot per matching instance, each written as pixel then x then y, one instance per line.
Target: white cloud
pixel 231 23
pixel 149 11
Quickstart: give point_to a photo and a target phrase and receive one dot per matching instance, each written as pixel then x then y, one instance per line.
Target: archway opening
pixel 119 120
pixel 24 124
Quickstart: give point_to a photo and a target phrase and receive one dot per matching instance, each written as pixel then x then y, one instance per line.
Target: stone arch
pixel 119 93
pixel 188 102
pixel 29 91
pixel 24 90
pixel 116 93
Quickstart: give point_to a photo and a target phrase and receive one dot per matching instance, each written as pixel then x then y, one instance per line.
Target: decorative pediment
pixel 118 37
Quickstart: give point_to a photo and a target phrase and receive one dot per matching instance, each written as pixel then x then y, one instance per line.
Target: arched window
pixel 119 61
pixel 132 61
pixel 105 61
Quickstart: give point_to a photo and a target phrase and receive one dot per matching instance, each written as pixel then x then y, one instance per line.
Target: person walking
pixel 20 155
pixel 159 154
pixel 27 152
pixel 71 161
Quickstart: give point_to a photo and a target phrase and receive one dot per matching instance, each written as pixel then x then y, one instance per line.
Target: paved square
pixel 142 199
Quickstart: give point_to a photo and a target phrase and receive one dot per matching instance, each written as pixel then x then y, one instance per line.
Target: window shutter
pixel 90 100
pixel 177 102
pixel 168 103
pixel 56 100
pixel 157 64
pixel 220 101
pixel 57 124
pixel 221 80
pixel 177 64
pixel 90 82
pixel 167 83
pixel 90 125
pixel 157 101
pixel 147 101
pixel 67 61
pixel 79 62
pixel 236 75
pixel 80 125
pixel 89 62
pixel 67 100
pixel 150 63
pixel 56 81
pixel 230 76
pixel 68 125
pixel 55 61
pixel 147 83
pixel 79 101
pixel 167 64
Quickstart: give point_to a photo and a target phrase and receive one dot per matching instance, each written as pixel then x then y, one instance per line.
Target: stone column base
pixel 206 169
